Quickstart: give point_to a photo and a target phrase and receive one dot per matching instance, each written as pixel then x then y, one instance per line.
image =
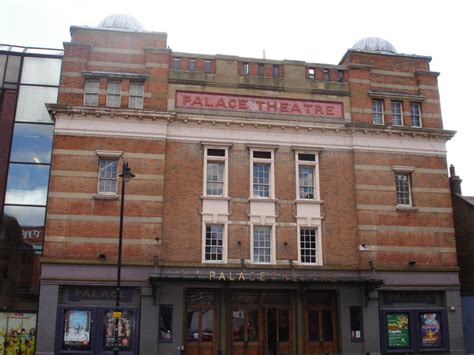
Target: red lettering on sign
pixel 258 104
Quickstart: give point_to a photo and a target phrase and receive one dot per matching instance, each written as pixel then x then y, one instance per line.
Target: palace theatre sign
pixel 258 104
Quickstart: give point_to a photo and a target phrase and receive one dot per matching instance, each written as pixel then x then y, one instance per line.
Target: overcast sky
pixel 313 31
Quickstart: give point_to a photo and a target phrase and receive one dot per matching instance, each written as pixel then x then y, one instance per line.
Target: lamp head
pixel 126 174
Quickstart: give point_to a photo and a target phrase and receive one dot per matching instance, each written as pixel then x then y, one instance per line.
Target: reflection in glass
pixel 32 143
pixel 192 325
pixel 43 71
pixel 238 325
pixel 13 69
pixel 31 103
pixel 252 325
pixel 166 316
pixel 313 325
pixel 3 63
pixel 327 326
pixel 25 216
pixel 27 184
pixel 283 325
pixel 207 325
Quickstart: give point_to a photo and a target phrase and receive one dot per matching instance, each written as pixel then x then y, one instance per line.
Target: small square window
pixel 91 93
pixel 245 69
pixel 260 69
pixel 311 74
pixel 415 113
pixel 207 66
pixel 135 99
pixel 276 71
pixel 114 93
pixel 176 63
pixel 397 113
pixel 377 112
pixel 326 74
pixel 192 65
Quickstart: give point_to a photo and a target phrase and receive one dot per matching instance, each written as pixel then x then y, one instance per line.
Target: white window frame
pixel 311 74
pixel 376 113
pixel 91 92
pixel 326 75
pixel 112 93
pixel 315 165
pixel 176 63
pixel 272 244
pixel 268 161
pixel 245 69
pixel 107 155
pixel 319 253
pixel 224 243
pixel 419 114
pixel 210 159
pixel 135 95
pixel 406 171
pixel 393 105
pixel 192 64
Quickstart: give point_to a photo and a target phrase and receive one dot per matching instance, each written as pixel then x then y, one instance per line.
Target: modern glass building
pixel 29 78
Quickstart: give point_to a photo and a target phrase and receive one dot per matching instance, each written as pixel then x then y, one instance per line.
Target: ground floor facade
pixel 200 311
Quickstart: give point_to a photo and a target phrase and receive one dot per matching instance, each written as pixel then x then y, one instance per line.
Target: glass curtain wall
pixel 29 80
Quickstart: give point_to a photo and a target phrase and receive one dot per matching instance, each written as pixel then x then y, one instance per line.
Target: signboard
pixel 430 327
pixel 258 104
pixel 125 322
pixel 398 331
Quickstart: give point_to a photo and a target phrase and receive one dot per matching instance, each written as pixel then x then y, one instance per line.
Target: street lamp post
pixel 126 176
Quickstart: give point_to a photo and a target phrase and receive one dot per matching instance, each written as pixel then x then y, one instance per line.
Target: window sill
pixel 105 196
pixel 262 199
pixel 210 197
pixel 402 208
pixel 309 202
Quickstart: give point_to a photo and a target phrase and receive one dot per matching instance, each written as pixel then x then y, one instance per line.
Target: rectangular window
pixel 397 113
pixel 262 244
pixel 192 65
pixel 114 89
pixel 215 165
pixel 107 176
pixel 276 71
pixel 165 334
pixel 308 245
pixel 311 74
pixel 341 75
pixel 402 182
pixel 306 175
pixel 245 69
pixel 207 66
pixel 135 99
pixel 357 333
pixel 214 242
pixel 326 74
pixel 176 63
pixel 377 111
pixel 262 174
pixel 415 113
pixel 260 69
pixel 91 93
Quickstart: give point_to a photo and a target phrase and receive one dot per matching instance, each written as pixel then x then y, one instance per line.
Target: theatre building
pixel 278 207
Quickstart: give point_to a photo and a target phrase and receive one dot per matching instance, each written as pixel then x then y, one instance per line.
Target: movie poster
pixel 125 326
pixel 77 329
pixel 430 324
pixel 17 333
pixel 398 332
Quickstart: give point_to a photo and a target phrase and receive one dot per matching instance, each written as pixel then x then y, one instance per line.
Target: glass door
pixel 278 331
pixel 320 330
pixel 246 331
